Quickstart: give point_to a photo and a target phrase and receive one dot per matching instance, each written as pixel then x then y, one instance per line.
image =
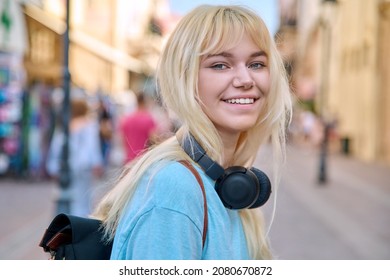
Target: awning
pixel 91 44
pixel 109 53
pixel 55 24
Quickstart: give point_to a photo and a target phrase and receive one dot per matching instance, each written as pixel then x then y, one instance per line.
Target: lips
pixel 240 101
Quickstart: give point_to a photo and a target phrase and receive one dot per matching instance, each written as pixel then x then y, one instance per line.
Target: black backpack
pixel 71 237
pixel 75 238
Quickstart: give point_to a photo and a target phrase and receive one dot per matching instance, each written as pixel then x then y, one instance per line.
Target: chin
pixel 244 126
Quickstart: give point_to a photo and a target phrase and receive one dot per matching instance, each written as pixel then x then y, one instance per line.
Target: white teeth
pixel 240 101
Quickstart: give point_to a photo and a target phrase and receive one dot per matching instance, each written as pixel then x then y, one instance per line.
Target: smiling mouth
pixel 240 101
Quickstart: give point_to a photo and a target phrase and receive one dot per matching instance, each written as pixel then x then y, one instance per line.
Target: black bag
pixel 75 238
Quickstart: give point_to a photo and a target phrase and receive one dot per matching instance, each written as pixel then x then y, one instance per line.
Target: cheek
pixel 208 89
pixel 265 83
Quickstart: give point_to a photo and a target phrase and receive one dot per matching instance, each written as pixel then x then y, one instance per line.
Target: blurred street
pixel 106 54
pixel 346 218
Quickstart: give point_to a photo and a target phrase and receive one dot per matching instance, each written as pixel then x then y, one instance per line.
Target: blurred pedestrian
pixel 106 130
pixel 222 75
pixel 137 129
pixel 308 120
pixel 85 158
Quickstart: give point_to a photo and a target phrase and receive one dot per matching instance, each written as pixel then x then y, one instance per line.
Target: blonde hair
pixel 207 30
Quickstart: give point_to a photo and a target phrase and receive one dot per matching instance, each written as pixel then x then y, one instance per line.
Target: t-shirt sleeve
pixel 164 219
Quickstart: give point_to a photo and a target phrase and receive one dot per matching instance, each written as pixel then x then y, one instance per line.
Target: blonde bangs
pixel 224 30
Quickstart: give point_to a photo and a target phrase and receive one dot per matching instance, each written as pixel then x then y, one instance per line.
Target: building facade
pixel 342 66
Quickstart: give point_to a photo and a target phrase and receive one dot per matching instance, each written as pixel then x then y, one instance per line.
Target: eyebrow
pixel 226 54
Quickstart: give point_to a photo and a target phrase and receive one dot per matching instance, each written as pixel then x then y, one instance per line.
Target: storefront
pixel 13 44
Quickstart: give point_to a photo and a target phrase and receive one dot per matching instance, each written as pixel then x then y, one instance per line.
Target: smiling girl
pixel 222 76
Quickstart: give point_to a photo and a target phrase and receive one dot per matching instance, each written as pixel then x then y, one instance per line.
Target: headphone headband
pixel 198 154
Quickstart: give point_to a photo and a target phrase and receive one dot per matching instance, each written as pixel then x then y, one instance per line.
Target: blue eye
pixel 257 65
pixel 219 66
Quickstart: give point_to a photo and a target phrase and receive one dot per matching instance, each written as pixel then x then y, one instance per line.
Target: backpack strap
pixel 199 179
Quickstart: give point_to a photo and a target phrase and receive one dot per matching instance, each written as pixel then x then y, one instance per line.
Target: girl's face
pixel 232 86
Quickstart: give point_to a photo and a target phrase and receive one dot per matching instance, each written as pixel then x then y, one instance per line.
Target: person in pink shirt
pixel 137 129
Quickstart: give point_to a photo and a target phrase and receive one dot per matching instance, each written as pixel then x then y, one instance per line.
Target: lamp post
pixel 325 69
pixel 64 199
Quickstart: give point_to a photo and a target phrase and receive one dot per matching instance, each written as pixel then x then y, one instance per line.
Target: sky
pixel 267 9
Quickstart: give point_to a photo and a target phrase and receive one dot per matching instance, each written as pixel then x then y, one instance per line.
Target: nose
pixel 243 78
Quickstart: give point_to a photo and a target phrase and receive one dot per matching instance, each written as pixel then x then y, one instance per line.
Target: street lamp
pixel 64 199
pixel 326 51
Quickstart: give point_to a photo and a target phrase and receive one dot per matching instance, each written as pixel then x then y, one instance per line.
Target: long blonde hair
pixel 208 30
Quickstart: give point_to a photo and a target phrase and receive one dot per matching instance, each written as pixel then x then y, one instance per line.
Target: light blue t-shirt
pixel 165 220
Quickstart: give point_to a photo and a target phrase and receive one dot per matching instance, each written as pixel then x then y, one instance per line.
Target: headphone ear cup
pixel 238 188
pixel 265 188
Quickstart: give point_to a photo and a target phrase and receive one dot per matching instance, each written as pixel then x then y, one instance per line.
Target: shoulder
pixel 170 185
pixel 168 168
pixel 145 115
pixel 172 177
pixel 124 118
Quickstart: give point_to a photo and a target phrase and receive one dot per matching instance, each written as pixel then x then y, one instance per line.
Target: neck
pixel 229 144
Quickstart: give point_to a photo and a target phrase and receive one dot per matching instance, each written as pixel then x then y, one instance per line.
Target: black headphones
pixel 237 186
